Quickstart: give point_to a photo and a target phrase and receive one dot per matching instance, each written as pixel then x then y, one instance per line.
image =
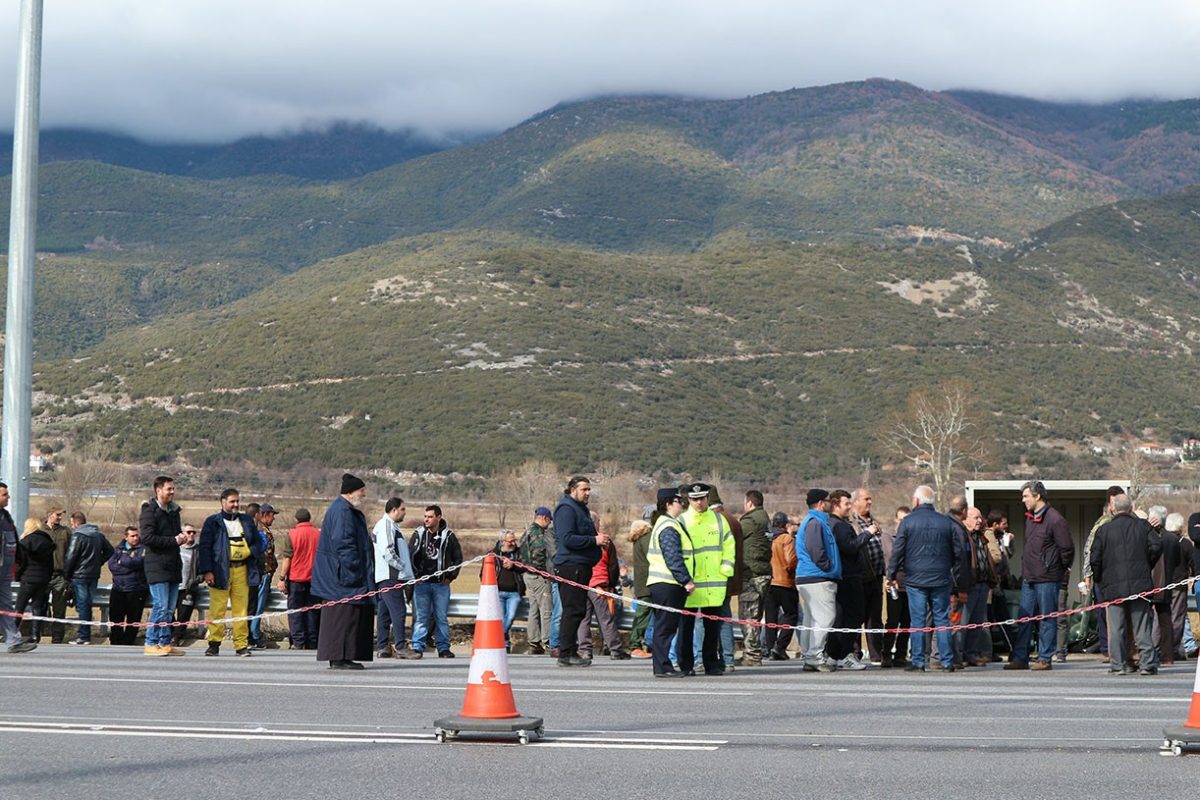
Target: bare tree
pixel 618 496
pixel 1133 465
pixel 939 433
pixel 81 474
pixel 524 488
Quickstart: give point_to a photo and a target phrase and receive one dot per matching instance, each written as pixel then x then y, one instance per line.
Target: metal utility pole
pixel 22 244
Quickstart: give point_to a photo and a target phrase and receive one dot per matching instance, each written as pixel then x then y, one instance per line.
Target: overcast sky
pixel 213 70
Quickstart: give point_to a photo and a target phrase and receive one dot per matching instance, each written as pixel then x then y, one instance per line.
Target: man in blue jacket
pixel 229 557
pixel 344 567
pixel 578 551
pixel 818 569
pixel 929 553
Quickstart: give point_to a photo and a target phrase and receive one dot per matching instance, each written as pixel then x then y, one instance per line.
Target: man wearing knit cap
pixel 818 568
pixel 345 568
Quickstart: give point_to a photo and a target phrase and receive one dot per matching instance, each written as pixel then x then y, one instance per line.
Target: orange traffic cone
pixel 1177 737
pixel 489 706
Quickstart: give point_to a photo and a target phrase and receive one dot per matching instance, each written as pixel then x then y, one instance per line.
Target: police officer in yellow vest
pixel 713 554
pixel 668 577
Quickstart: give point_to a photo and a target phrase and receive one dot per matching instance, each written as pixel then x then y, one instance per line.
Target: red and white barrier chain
pixel 604 593
pixel 250 617
pixel 778 626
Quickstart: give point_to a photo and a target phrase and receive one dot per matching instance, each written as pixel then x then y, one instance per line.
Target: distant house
pixel 40 463
pixel 1158 450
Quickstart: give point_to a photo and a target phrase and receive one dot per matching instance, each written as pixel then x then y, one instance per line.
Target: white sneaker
pixel 851 663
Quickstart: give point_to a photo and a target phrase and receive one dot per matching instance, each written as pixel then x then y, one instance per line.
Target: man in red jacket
pixel 1045 561
pixel 606 575
pixel 296 551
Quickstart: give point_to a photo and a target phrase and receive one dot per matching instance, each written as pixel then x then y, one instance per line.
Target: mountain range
pixel 746 285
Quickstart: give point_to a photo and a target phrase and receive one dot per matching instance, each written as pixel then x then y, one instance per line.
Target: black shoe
pixel 445 654
pixel 777 656
pixel 1151 671
pixel 886 663
pixel 620 655
pixel 714 672
pixel 574 661
pixel 257 646
pixel 671 674
pixel 537 650
pixel 691 673
pixel 914 668
pixel 22 647
pixel 214 649
pixel 345 665
pixel 385 653
pixel 244 652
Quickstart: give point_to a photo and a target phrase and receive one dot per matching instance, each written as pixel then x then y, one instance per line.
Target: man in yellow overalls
pixel 713 554
pixel 228 557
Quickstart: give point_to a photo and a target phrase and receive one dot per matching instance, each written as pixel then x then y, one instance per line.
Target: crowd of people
pixel 813 582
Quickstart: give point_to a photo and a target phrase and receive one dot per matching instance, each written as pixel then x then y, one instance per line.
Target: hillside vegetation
pixel 477 350
pixel 668 283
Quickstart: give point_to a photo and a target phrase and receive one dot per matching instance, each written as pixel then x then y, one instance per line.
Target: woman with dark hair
pixel 668 576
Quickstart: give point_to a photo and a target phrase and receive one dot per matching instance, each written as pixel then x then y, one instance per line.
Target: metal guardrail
pixel 462 606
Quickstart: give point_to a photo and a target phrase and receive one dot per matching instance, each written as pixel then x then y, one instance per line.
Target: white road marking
pixel 363 737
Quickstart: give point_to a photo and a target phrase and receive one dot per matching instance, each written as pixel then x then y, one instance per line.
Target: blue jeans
pixel 921 599
pixel 163 597
pixel 555 615
pixel 84 590
pixel 259 605
pixel 390 611
pixel 727 635
pixel 429 596
pixel 8 562
pixel 697 645
pixel 1037 598
pixel 508 605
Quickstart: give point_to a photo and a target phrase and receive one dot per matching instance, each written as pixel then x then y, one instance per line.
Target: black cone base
pixel 449 727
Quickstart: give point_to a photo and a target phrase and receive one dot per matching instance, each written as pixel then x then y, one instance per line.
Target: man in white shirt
pixel 392 566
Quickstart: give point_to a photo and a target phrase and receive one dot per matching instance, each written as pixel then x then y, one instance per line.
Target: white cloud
pixel 216 69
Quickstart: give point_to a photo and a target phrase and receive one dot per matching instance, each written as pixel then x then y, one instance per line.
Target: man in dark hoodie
pixel 1045 561
pixel 433 549
pixel 87 552
pixel 578 552
pixel 162 534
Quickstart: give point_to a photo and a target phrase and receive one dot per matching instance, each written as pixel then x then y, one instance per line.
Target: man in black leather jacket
pixel 87 551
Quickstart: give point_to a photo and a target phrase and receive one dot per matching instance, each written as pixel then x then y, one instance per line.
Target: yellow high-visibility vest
pixel 658 571
pixel 713 554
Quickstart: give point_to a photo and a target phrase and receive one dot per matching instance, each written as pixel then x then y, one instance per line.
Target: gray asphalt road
pixel 109 722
